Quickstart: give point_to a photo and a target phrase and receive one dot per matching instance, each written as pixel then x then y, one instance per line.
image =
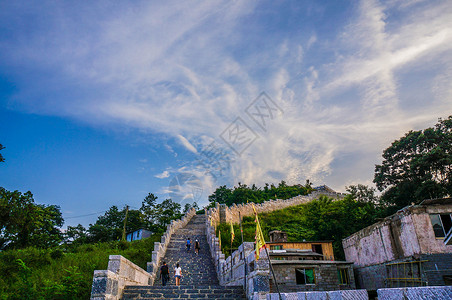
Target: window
pixel 342 274
pixel 317 249
pixel 276 247
pixel 305 276
pixel 441 224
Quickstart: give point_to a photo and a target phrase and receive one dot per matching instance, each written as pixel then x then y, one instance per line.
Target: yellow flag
pixel 232 232
pixel 211 221
pixel 219 238
pixel 260 242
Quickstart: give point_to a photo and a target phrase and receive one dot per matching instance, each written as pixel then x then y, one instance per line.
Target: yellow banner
pixel 232 232
pixel 260 242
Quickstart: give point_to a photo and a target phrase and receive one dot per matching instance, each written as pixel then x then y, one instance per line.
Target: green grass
pixel 65 272
pixel 320 219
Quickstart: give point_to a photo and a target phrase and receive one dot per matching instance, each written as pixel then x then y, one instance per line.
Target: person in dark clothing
pixel 164 273
pixel 197 247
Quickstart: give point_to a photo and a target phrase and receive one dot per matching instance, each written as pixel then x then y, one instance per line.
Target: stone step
pixel 199 278
pixel 184 291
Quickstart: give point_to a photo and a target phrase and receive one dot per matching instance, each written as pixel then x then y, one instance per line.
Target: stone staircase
pixel 199 279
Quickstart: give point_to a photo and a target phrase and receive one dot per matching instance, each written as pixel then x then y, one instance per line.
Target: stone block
pixel 391 294
pixel 316 296
pixel 334 295
pixel 301 296
pixel 354 295
pixel 429 292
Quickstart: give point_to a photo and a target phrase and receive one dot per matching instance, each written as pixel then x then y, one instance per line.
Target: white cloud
pixel 186 144
pixel 187 71
pixel 164 174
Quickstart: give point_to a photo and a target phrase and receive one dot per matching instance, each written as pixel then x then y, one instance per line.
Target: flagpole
pixel 273 273
pixel 266 251
pixel 243 249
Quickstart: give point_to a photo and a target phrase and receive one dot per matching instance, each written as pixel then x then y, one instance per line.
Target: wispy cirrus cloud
pixel 188 71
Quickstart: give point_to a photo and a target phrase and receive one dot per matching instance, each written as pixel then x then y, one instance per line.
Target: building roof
pixel 437 201
pixel 294 252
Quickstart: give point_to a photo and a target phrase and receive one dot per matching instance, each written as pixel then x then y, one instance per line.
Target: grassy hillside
pixel 320 219
pixel 64 272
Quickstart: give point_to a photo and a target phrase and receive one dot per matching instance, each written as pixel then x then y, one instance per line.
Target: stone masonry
pixel 199 278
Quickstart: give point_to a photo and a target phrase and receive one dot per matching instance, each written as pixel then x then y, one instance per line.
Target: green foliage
pixel 189 206
pixel 418 166
pixel 33 273
pixel 24 223
pixel 157 216
pixel 109 227
pixel 243 193
pixel 320 219
pixel 2 159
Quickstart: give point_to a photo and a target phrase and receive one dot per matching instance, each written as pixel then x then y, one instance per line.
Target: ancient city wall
pixel 109 284
pixel 241 268
pixel 160 247
pixel 222 213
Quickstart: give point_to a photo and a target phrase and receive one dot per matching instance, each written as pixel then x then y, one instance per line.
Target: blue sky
pixel 101 103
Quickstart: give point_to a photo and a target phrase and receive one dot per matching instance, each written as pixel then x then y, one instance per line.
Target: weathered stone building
pixel 304 270
pixel 307 265
pixel 405 249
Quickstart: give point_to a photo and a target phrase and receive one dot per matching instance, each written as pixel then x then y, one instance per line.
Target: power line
pixel 87 215
pixel 96 213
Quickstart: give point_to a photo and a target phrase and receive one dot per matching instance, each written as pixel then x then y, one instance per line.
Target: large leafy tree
pixel 24 223
pixel 158 215
pixel 110 226
pixel 363 193
pixel 418 166
pixel 166 212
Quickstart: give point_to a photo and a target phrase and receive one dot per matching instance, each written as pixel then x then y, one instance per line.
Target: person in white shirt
pixel 177 274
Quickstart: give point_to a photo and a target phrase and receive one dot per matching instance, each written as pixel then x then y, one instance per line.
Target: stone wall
pixel 160 247
pixel 109 284
pixel 407 233
pixel 331 295
pixel 241 268
pixel 325 273
pixel 436 267
pixel 241 263
pixel 234 212
pixel 414 293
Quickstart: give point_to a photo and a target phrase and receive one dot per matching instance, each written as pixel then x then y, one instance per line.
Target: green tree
pixel 418 166
pixel 109 227
pixel 2 159
pixel 363 193
pixel 76 234
pixel 243 193
pixel 148 209
pixel 24 223
pixel 165 213
pixel 220 195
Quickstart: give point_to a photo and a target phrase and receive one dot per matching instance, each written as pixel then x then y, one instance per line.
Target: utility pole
pixel 125 222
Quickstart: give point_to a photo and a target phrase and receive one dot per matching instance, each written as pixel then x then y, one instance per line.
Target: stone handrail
pixel 109 284
pixel 240 268
pixel 160 247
